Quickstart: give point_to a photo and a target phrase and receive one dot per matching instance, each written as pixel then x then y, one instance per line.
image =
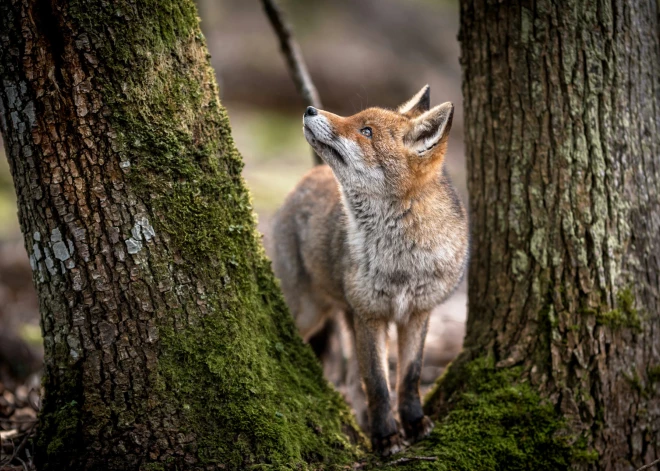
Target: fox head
pixel 383 152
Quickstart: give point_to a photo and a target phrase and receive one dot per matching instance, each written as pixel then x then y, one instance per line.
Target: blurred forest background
pixel 360 54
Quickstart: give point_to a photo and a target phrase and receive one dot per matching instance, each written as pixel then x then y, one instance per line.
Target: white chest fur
pixel 391 274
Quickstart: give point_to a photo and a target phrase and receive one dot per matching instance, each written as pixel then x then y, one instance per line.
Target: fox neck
pixel 375 224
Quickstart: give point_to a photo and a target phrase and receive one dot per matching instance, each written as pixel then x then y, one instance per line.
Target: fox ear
pixel 418 104
pixel 430 129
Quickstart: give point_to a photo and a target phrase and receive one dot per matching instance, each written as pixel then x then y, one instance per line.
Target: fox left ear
pixel 430 129
pixel 418 104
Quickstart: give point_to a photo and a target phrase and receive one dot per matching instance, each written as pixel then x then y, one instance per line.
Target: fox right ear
pixel 430 129
pixel 418 104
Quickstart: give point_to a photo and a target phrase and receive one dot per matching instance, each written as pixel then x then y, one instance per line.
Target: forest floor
pixel 19 404
pixel 20 358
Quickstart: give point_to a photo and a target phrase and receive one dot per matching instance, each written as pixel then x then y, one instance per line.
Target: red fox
pixel 378 234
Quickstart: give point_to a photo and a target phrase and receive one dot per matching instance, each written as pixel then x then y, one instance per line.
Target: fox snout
pixel 317 127
pixel 322 136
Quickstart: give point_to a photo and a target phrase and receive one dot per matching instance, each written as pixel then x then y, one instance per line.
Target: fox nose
pixel 311 111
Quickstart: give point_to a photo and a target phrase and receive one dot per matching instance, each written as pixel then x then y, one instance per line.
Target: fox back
pixel 379 234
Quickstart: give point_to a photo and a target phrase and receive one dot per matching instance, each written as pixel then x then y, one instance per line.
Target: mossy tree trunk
pixel 562 118
pixel 167 343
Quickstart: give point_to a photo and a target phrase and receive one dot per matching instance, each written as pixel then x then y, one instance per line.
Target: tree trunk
pixel 167 343
pixel 562 118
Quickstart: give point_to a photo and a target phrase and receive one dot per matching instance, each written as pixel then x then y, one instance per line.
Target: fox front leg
pixel 411 336
pixel 371 349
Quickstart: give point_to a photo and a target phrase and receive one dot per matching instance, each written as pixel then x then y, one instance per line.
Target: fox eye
pixel 366 132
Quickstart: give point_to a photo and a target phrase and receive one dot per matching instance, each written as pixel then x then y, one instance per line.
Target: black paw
pixel 418 429
pixel 387 446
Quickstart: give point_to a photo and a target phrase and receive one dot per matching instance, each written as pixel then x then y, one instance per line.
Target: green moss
pixel 581 454
pixel 231 366
pixel 257 393
pixel 495 420
pixel 66 429
pixel 61 432
pixel 625 315
pixel 653 373
pixel 635 382
pixel 547 331
pixel 644 389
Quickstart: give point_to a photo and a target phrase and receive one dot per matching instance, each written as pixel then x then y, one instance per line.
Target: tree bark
pixel 562 118
pixel 167 343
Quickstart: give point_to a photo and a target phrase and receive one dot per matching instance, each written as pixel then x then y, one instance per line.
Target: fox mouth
pixel 322 148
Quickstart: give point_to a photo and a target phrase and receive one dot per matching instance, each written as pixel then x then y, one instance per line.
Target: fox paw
pixel 387 446
pixel 419 429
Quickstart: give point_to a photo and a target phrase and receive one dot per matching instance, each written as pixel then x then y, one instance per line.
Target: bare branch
pixel 649 465
pixel 294 59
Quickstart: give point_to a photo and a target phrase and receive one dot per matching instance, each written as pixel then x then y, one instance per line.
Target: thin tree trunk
pixel 167 343
pixel 562 118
